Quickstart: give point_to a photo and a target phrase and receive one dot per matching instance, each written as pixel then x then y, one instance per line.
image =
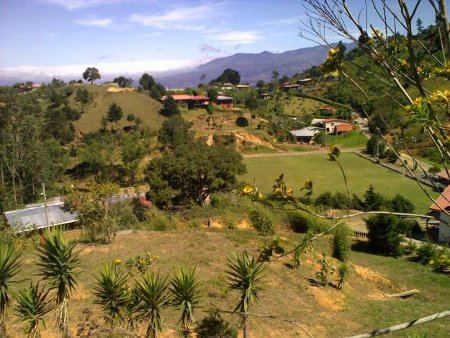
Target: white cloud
pixel 126 67
pixel 181 18
pixel 282 22
pixel 94 22
pixel 236 37
pixel 205 48
pixel 78 4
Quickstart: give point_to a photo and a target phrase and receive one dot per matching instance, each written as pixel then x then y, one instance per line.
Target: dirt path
pixel 300 153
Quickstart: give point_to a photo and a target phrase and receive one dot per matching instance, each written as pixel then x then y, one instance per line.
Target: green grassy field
pixel 296 106
pixel 327 176
pixel 351 139
pixel 139 104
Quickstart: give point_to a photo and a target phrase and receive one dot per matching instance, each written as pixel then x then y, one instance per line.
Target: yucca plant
pixel 245 275
pixel 33 304
pixel 58 264
pixel 9 267
pixel 185 289
pixel 152 289
pixel 343 271
pixel 111 292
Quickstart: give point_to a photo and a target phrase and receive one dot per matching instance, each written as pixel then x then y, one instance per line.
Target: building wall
pixel 444 228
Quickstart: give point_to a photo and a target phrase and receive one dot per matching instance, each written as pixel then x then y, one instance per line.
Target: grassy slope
pixel 287 294
pixel 351 139
pixel 327 176
pixel 139 104
pixel 295 106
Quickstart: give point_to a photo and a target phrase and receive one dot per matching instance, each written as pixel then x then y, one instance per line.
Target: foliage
pixel 401 204
pixel 33 304
pixel 191 173
pixel 91 74
pixel 133 151
pixel 58 264
pixel 114 114
pixel 175 131
pixel 228 76
pixel 140 264
pixel 123 81
pixel 342 242
pixel 9 267
pixel 441 263
pixel 427 252
pixel 269 249
pixel 385 234
pixel 154 298
pixel 111 292
pixel 185 290
pixel 325 270
pixel 241 121
pixel 214 326
pixel 304 222
pixel 343 271
pixel 262 221
pixel 170 107
pixel 373 201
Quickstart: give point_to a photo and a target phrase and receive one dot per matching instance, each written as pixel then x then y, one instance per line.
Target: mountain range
pixel 252 67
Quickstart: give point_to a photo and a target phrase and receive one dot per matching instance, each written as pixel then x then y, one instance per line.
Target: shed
pixel 443 203
pixel 224 101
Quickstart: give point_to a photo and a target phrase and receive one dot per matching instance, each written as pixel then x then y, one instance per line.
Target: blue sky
pixel 62 37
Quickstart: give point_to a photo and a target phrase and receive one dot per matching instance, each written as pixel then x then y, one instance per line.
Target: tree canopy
pixel 91 74
pixel 228 75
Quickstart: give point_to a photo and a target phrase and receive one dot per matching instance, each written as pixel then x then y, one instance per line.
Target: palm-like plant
pixel 245 275
pixel 58 262
pixel 154 298
pixel 185 289
pixel 343 271
pixel 32 305
pixel 9 267
pixel 111 291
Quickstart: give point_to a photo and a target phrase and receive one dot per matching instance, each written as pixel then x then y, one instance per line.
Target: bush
pixel 385 234
pixel 325 199
pixel 262 221
pixel 214 326
pixel 220 201
pixel 342 242
pixel 303 222
pixel 401 204
pixel 427 252
pixel 241 121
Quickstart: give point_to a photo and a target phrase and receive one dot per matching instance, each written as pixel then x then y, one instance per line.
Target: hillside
pixel 139 104
pixel 252 67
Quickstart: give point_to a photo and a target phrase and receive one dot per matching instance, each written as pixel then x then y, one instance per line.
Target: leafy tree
pixel 115 114
pixel 229 75
pixel 111 292
pixel 192 172
pixel 84 97
pixel 91 74
pixel 123 81
pixel 147 81
pixel 251 103
pixel 401 204
pixel 385 234
pixel 58 263
pixel 212 93
pixel 185 289
pixel 170 107
pixel 419 25
pixel 9 267
pixel 133 151
pixel 98 157
pixel 175 131
pixel 241 121
pixel 373 201
pixel 33 304
pixel 245 275
pixel 154 298
pixel 131 117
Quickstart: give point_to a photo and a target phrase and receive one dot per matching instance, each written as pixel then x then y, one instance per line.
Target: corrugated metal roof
pixel 34 217
pixel 305 132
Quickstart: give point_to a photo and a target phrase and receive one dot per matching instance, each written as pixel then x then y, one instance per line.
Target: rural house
pixel 441 232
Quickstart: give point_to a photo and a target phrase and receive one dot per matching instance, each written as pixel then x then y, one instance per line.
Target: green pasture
pixel 326 175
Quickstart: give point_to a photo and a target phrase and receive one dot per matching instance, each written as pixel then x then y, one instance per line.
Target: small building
pixel 224 101
pixel 288 87
pixel 436 210
pixel 227 85
pixel 303 82
pixel 442 176
pixel 305 134
pixel 343 128
pixel 243 86
pixel 265 96
pixel 39 216
pixel 329 125
pixel 190 100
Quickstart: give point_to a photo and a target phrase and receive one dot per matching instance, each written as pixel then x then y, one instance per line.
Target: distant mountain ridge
pixel 252 67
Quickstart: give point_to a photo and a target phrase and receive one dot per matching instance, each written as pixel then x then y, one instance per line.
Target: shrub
pixel 220 201
pixel 343 271
pixel 216 327
pixel 262 221
pixel 427 252
pixel 298 222
pixel 385 234
pixel 401 204
pixel 373 201
pixel 441 263
pixel 325 199
pixel 342 242
pixel 241 121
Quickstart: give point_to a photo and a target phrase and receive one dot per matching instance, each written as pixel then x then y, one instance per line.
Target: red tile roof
pixel 181 97
pixel 200 98
pixel 442 202
pixel 443 174
pixel 343 127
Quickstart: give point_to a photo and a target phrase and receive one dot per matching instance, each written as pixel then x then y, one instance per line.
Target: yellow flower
pixel 117 261
pixel 248 189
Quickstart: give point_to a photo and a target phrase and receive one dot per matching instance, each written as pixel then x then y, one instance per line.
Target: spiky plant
pixel 185 289
pixel 9 267
pixel 245 275
pixel 153 297
pixel 33 304
pixel 111 291
pixel 343 271
pixel 58 263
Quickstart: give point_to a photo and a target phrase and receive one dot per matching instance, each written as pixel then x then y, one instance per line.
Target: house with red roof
pixel 441 210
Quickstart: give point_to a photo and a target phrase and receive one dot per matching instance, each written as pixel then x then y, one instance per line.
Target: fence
pixel 361 234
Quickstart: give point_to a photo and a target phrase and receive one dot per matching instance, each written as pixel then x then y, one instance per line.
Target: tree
pixel 115 114
pixel 133 151
pixel 58 263
pixel 185 289
pixel 385 234
pixel 175 131
pixel 152 290
pixel 192 172
pixel 147 81
pixel 170 107
pixel 419 25
pixel 98 157
pixel 228 75
pixel 401 204
pixel 33 304
pixel 123 81
pixel 251 103
pixel 111 292
pixel 91 74
pixel 373 201
pixel 9 267
pixel 245 275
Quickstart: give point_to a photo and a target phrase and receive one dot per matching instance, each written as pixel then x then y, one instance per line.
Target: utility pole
pixel 45 205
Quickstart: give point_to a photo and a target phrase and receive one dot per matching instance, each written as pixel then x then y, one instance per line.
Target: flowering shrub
pixel 441 263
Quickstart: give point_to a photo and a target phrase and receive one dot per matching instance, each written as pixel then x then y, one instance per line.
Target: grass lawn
pixel 324 311
pixel 326 175
pixel 296 106
pixel 139 104
pixel 351 139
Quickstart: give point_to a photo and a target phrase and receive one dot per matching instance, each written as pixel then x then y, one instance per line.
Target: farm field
pixel 326 175
pixel 287 293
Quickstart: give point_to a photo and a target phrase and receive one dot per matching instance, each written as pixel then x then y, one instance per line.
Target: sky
pixel 63 37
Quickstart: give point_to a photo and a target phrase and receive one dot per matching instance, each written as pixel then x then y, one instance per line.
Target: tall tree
pixel 91 74
pixel 175 131
pixel 229 75
pixel 147 81
pixel 170 107
pixel 123 81
pixel 114 114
